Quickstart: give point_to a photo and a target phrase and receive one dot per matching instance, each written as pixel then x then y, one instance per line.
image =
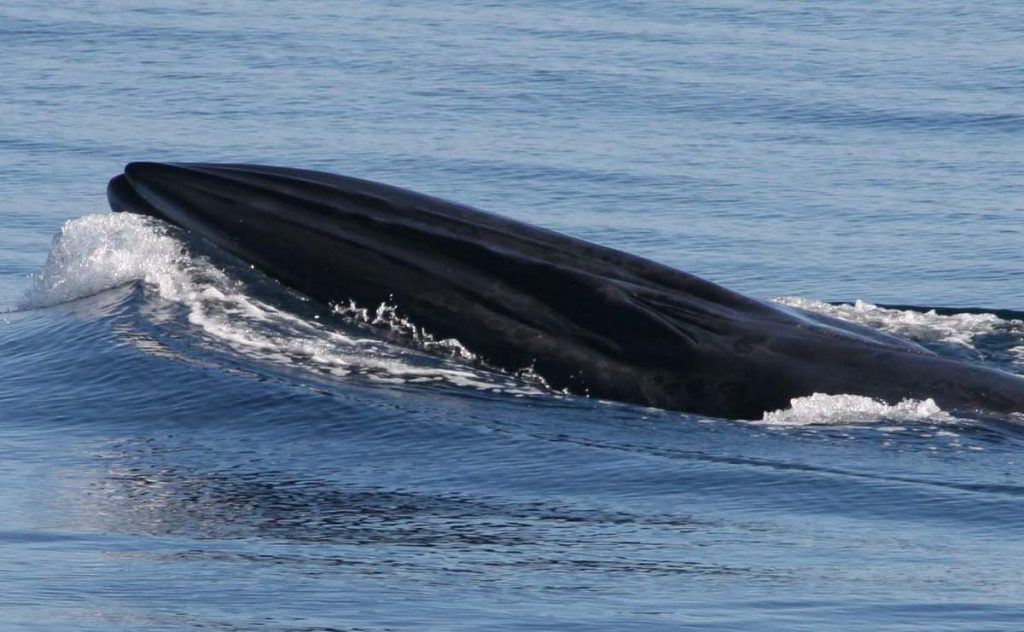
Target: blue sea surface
pixel 187 445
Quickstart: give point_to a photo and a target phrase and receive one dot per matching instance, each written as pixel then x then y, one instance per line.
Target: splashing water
pixel 960 329
pixel 852 409
pixel 98 252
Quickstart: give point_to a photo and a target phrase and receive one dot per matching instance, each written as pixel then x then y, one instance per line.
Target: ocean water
pixel 187 445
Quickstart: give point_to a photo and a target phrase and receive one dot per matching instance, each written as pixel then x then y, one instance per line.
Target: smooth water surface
pixel 187 445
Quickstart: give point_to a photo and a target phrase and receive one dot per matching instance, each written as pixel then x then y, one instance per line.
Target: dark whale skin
pixel 589 319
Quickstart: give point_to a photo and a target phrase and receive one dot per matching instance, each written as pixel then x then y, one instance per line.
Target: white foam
pixel 99 252
pixel 821 409
pixel 958 329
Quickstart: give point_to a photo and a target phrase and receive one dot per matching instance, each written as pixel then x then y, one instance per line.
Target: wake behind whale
pixel 588 319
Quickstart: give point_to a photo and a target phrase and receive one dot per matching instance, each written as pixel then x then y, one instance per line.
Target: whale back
pixel 588 318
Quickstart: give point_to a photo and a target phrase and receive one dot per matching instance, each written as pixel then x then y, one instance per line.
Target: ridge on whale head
pixel 589 319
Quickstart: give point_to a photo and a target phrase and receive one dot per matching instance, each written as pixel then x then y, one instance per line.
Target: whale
pixel 588 319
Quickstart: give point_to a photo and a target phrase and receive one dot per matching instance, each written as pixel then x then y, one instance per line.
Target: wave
pixel 98 252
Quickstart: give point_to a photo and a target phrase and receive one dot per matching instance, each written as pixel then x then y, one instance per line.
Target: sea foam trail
pixel 98 252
